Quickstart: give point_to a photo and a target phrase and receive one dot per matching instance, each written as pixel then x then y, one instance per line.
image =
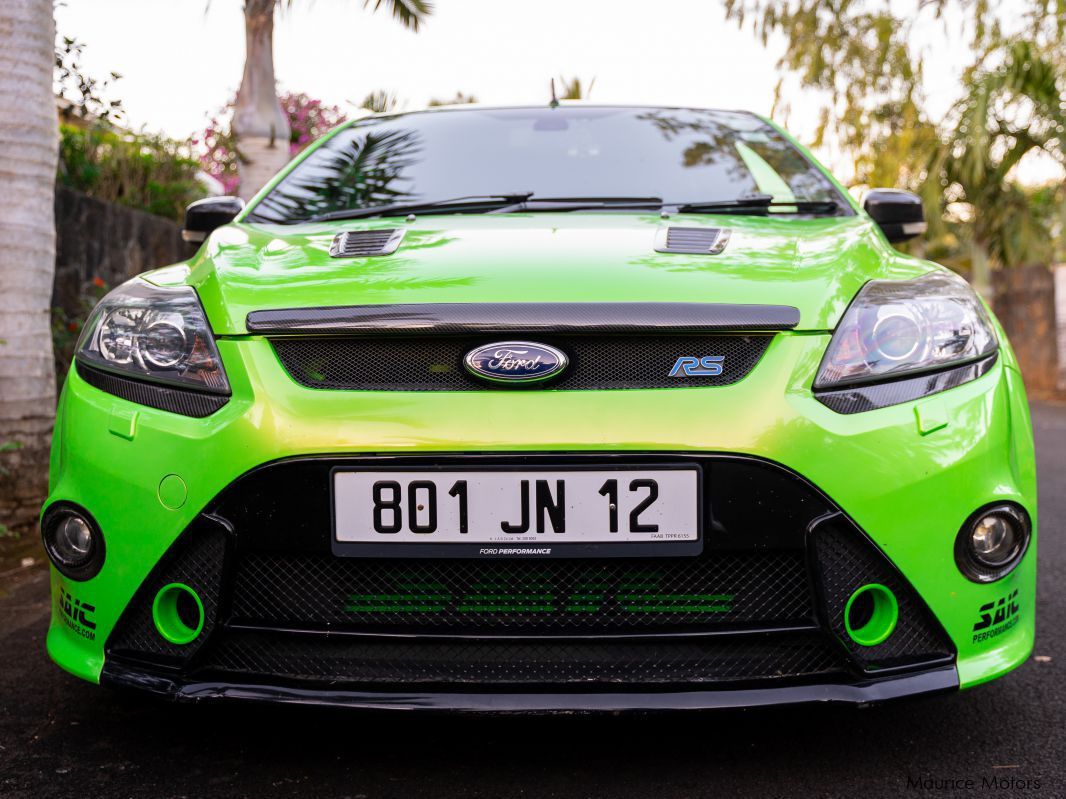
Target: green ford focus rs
pixel 547 408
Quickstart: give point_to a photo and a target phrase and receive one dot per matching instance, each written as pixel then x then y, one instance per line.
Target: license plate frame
pixel 524 550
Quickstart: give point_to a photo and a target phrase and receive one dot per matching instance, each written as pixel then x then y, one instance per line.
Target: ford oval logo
pixel 515 362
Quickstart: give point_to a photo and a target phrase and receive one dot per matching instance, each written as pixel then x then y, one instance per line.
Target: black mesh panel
pixel 846 561
pixel 432 363
pixel 556 596
pixel 407 662
pixel 196 560
pixel 765 600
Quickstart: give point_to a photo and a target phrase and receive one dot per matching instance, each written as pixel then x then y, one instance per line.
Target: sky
pixel 181 60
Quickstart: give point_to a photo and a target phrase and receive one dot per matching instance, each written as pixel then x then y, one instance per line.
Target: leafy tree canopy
pixel 866 59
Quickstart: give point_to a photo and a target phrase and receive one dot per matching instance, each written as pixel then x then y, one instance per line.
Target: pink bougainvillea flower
pixel 309 118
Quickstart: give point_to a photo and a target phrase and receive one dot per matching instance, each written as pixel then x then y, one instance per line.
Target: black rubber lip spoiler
pixel 536 700
pixel 508 317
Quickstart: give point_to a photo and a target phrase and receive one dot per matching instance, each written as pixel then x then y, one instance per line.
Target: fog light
pixel 73 541
pixel 992 542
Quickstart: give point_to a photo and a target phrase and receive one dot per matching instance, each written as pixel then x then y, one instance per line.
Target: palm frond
pixel 460 98
pixel 573 89
pixel 380 101
pixel 409 13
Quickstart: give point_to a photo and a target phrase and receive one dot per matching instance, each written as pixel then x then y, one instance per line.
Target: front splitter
pixel 549 701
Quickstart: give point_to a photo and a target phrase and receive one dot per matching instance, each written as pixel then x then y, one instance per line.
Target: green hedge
pixel 144 171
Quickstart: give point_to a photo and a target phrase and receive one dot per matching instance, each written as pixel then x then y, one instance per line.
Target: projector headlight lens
pixel 894 329
pixel 154 333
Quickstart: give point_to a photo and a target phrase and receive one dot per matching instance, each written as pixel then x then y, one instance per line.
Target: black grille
pixel 196 560
pixel 444 662
pixel 534 598
pixel 436 363
pixel 847 561
pixel 764 601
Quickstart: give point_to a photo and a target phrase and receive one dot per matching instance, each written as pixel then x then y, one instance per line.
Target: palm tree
pixel 259 124
pixel 1009 111
pixel 28 151
pixel 380 101
pixel 573 89
pixel 460 98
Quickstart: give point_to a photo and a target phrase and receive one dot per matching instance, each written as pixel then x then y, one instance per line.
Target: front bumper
pixel 907 476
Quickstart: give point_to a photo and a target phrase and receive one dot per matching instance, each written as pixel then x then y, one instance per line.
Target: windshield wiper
pixel 758 204
pixel 578 204
pixel 467 204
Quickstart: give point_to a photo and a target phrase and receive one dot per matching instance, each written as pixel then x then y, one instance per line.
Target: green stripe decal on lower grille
pixel 536 601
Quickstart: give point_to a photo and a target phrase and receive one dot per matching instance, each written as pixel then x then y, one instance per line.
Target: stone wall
pixel 1025 304
pixel 1059 272
pixel 95 239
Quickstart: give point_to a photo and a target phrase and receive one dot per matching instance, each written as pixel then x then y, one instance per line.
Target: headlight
pixel 156 334
pixel 899 329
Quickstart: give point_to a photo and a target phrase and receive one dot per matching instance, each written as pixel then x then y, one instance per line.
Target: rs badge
pixel 692 366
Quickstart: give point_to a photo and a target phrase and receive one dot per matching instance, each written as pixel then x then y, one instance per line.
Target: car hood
pixel 815 265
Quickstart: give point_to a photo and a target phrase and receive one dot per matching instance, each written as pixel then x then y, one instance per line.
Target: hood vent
pixel 364 243
pixel 691 240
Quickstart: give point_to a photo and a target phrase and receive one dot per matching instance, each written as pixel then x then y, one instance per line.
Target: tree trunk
pixel 28 152
pixel 980 270
pixel 259 124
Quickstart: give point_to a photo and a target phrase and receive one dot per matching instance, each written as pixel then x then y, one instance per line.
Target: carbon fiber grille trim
pixel 528 317
pixel 436 364
pixel 165 398
pixel 503 663
pixel 845 561
pixel 529 597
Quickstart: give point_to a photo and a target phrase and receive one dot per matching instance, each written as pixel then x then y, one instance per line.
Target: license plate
pixel 517 513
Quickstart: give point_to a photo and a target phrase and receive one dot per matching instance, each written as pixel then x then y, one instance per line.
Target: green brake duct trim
pixel 178 613
pixel 873 622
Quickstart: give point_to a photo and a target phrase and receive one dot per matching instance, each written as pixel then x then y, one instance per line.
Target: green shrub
pixel 145 171
pixel 66 327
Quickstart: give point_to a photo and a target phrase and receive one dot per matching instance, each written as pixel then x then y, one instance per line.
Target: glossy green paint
pixel 816 265
pixel 909 475
pixel 910 492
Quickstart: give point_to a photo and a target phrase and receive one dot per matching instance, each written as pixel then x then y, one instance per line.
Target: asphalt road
pixel 60 737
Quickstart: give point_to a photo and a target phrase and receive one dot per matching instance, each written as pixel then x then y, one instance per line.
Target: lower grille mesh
pixel 558 596
pixel 424 363
pixel 846 562
pixel 764 601
pixel 196 561
pixel 536 662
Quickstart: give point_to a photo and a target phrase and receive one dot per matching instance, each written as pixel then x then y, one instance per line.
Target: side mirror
pixel 203 216
pixel 898 213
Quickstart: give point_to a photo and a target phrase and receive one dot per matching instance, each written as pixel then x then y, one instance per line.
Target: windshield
pixel 678 155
